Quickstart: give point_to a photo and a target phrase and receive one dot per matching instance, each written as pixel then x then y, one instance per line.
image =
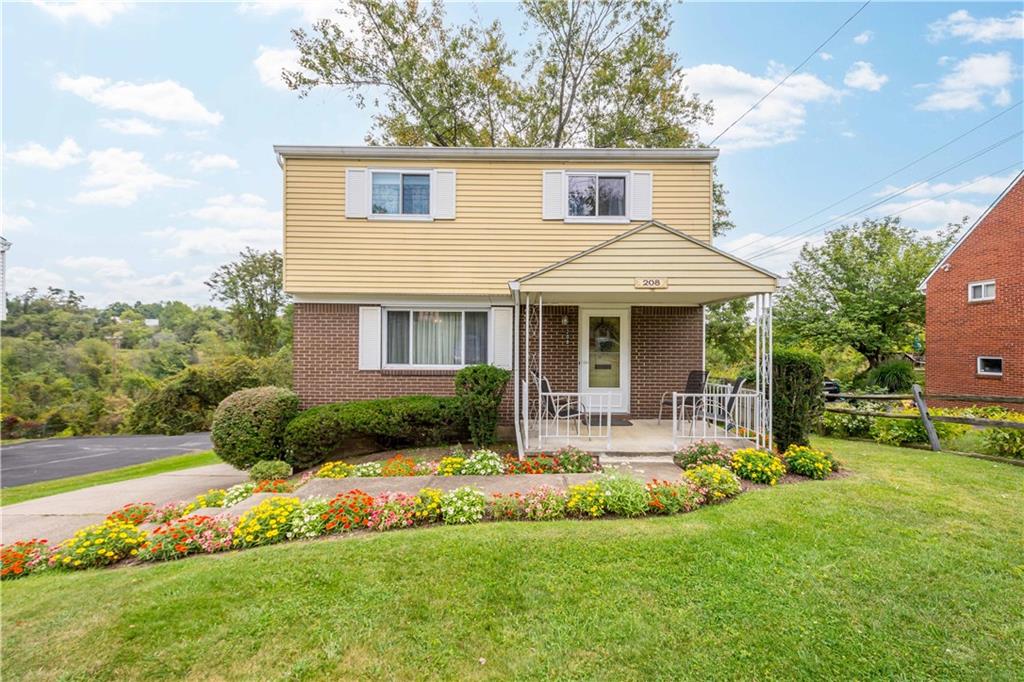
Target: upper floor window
pixel 990 366
pixel 400 193
pixel 981 291
pixel 435 338
pixel 592 195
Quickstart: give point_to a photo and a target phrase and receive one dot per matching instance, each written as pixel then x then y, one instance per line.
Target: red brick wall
pixel 957 332
pixel 326 361
pixel 666 344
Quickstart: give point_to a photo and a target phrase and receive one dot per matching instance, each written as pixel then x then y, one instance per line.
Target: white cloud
pixel 13 223
pixel 862 75
pixel 66 154
pixel 312 10
pixel 863 37
pixel 207 162
pixel 939 212
pixel 971 80
pixel 93 11
pixel 961 24
pixel 982 185
pixel 119 177
pixel 779 119
pixel 233 222
pixel 99 266
pixel 130 126
pixel 21 279
pixel 164 100
pixel 848 133
pixel 271 61
pixel 825 56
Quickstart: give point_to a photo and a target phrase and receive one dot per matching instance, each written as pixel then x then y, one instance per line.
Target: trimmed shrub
pixel 481 388
pixel 703 452
pixel 249 425
pixel 269 469
pixel 186 401
pixel 714 483
pixel 623 495
pixel 319 432
pixel 797 402
pixel 758 466
pixel 895 376
pixel 808 462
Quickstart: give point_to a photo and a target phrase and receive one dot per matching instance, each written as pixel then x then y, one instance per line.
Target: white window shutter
pixel 501 337
pixel 442 200
pixel 356 192
pixel 554 196
pixel 369 337
pixel 641 201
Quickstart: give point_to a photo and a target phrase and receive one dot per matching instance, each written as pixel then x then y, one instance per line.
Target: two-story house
pixel 974 303
pixel 584 271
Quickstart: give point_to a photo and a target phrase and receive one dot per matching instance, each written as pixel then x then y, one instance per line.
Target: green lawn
pixel 31 491
pixel 911 567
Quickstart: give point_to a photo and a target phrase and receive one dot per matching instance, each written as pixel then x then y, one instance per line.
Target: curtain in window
pixel 476 337
pixel 416 194
pixel 386 191
pixel 436 338
pixel 398 337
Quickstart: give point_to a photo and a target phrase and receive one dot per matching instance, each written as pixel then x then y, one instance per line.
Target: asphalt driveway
pixel 45 460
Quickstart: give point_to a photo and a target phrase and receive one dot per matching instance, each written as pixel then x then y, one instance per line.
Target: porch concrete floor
pixel 642 436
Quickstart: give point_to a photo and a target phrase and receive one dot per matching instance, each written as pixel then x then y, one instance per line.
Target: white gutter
pixel 499 153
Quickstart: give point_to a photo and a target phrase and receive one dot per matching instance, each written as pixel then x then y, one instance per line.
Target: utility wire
pixel 799 66
pixel 873 204
pixel 895 172
pixel 958 188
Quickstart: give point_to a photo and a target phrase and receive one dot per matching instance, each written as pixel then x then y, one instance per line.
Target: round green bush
pixel 270 470
pixel 249 425
pixel 481 388
pixel 623 495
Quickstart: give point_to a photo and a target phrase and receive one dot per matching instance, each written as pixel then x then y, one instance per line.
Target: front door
pixel 604 356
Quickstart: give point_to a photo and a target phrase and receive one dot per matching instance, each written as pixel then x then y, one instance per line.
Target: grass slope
pixel 31 491
pixel 911 567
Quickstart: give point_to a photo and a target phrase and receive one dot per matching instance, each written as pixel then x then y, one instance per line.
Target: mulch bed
pixel 792 478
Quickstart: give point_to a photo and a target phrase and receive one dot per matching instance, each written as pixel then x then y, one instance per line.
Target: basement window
pixel 981 291
pixel 990 367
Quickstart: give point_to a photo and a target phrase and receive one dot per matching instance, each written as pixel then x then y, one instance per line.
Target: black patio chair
pixel 554 407
pixel 723 412
pixel 695 382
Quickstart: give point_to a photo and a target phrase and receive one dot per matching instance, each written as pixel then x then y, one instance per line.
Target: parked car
pixel 830 387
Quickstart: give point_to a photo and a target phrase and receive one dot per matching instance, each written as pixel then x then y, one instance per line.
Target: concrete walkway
pixel 57 517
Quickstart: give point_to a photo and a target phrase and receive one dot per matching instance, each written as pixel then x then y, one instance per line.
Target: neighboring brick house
pixel 406 264
pixel 974 328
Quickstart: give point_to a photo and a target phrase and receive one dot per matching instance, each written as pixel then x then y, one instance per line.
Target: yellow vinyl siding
pixel 497 234
pixel 689 267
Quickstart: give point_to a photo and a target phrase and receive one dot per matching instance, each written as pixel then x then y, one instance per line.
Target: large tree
pixel 858 289
pixel 252 288
pixel 595 74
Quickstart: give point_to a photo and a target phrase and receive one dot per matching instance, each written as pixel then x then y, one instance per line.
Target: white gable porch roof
pixel 693 272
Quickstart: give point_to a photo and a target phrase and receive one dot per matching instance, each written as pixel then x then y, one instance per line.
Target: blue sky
pixel 137 136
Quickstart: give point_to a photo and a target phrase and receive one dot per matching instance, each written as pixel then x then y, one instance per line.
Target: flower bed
pixel 281 518
pixel 457 462
pixel 705 462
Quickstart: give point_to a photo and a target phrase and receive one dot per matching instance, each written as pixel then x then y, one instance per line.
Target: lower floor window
pixel 436 337
pixel 990 366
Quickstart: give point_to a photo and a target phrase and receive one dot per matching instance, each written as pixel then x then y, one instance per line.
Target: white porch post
pixel 757 369
pixel 770 442
pixel 517 416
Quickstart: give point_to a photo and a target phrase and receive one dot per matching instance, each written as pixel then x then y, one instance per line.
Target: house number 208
pixel 650 283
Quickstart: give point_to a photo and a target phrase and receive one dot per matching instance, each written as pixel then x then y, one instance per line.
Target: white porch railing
pixel 717 414
pixel 566 415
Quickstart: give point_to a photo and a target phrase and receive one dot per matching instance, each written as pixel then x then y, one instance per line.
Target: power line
pixel 958 188
pixel 873 204
pixel 895 172
pixel 799 66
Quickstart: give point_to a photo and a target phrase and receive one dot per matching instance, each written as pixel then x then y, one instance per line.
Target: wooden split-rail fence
pixel 922 407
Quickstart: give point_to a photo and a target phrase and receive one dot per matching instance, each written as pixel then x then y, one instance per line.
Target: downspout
pixel 514 286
